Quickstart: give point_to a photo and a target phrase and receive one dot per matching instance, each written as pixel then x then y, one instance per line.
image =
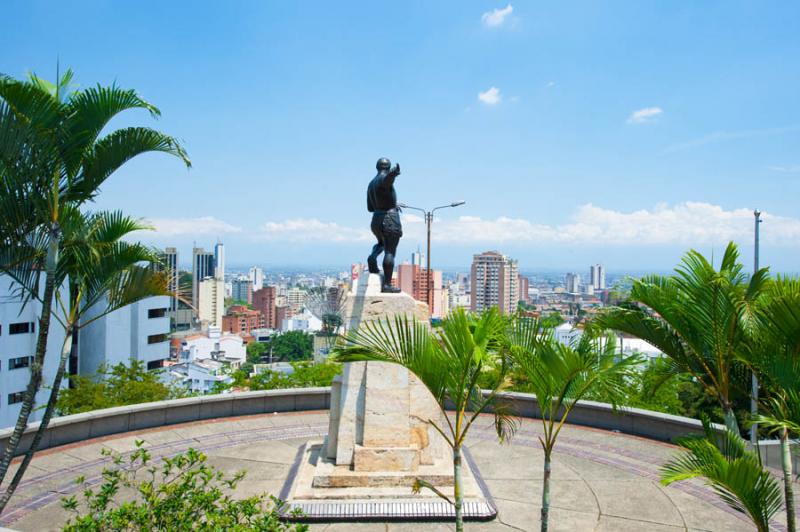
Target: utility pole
pixel 428 222
pixel 754 379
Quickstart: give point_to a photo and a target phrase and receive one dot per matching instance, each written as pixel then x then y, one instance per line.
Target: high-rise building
pixel 219 261
pixel 494 282
pixel 202 267
pixel 242 289
pixel 169 265
pixel 573 283
pixel 139 331
pixel 264 302
pixel 418 258
pixel 413 280
pixel 257 278
pixel 524 285
pixel 597 273
pixel 211 295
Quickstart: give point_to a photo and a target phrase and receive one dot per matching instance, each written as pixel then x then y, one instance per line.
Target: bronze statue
pixel 382 203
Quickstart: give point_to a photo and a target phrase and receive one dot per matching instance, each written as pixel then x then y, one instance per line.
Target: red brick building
pixel 241 320
pixel 264 302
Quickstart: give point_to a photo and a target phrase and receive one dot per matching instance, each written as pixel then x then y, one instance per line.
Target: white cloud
pixel 312 229
pixel 551 84
pixel 791 169
pixel 648 114
pixel 491 96
pixel 685 224
pixel 496 17
pixel 205 225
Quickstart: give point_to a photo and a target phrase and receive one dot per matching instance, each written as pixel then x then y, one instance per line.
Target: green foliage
pixel 552 320
pixel 305 375
pixel 291 346
pixel 732 471
pixel 183 493
pixel 700 318
pixel 120 385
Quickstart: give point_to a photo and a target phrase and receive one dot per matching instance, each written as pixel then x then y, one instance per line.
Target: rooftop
pixel 602 480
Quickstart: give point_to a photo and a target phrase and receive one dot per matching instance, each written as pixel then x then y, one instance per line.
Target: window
pixel 155 364
pixel 21 328
pixel 19 362
pixel 16 397
pixel 156 338
pixel 156 313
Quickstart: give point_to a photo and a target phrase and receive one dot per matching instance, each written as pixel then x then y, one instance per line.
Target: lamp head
pixel 457 203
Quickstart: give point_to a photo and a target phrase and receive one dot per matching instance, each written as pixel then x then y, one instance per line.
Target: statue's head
pixel 383 164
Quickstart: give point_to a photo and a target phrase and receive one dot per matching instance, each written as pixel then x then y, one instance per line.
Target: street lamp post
pixel 428 220
pixel 754 379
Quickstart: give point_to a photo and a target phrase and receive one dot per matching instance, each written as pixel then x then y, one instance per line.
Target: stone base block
pixel 385 459
pixel 324 491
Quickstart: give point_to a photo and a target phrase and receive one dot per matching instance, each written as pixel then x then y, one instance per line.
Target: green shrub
pixel 181 494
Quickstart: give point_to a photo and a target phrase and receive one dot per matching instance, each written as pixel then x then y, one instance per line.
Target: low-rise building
pixel 304 321
pixel 199 376
pixel 214 345
pixel 242 320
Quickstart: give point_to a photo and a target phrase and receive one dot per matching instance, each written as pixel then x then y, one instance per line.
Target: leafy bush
pixel 181 494
pixel 118 386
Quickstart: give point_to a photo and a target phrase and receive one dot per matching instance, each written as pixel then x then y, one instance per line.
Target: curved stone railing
pixel 79 427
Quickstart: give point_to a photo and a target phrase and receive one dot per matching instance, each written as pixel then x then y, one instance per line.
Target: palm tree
pixel 733 472
pixel 699 317
pixel 775 356
pixel 560 376
pixel 53 157
pixel 103 273
pixel 449 363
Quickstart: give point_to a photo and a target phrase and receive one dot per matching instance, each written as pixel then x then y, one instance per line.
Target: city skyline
pixel 575 134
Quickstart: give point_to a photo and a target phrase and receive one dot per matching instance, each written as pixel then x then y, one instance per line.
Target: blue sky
pixel 620 132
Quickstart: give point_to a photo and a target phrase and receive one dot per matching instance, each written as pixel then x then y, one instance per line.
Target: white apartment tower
pixel 573 283
pixel 597 273
pixel 257 278
pixel 19 328
pixel 494 282
pixel 139 331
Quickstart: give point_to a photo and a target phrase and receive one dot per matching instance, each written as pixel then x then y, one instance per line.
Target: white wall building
pixel 19 327
pixel 225 347
pixel 139 331
pixel 197 377
pixel 573 283
pixel 304 321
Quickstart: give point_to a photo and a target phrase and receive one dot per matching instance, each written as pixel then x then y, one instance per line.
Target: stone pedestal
pixel 380 440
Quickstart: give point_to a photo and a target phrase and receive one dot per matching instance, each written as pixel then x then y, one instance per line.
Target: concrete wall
pixel 79 427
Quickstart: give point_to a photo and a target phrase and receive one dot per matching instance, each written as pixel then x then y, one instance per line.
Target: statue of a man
pixel 382 203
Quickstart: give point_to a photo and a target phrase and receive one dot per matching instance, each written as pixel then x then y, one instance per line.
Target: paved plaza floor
pixel 602 481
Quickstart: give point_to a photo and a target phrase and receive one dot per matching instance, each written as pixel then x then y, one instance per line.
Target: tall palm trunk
pixel 788 488
pixel 66 351
pixel 546 492
pixel 35 381
pixel 458 492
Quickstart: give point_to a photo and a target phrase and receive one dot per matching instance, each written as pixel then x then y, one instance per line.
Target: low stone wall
pixel 79 427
